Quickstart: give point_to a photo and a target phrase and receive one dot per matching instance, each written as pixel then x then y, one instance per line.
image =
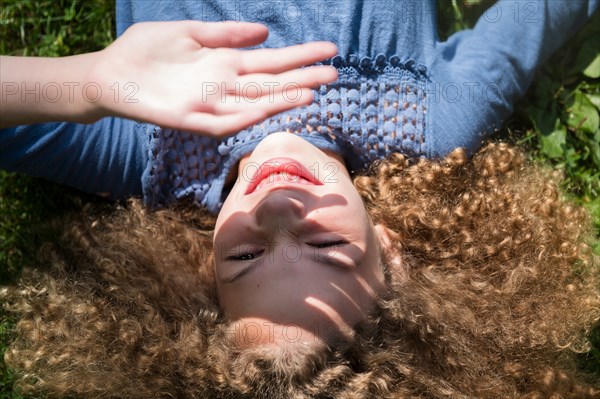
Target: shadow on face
pixel 296 263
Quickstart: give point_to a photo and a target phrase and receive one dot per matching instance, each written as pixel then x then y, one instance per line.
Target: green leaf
pixel 593 70
pixel 582 114
pixel 544 121
pixel 594 99
pixel 553 144
pixel 588 58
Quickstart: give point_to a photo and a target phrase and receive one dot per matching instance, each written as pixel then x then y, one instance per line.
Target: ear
pixel 386 236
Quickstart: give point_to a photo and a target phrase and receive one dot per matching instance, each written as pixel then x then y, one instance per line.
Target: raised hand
pixel 189 75
pixel 186 75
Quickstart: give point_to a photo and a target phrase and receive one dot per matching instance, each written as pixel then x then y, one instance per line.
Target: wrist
pixel 114 91
pixel 44 89
pixel 89 88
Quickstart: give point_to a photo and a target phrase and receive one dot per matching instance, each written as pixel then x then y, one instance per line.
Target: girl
pixel 310 287
pixel 488 291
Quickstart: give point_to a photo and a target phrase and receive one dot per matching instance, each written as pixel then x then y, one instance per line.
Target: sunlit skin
pixel 296 262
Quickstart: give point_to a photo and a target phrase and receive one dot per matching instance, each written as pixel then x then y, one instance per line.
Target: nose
pixel 279 209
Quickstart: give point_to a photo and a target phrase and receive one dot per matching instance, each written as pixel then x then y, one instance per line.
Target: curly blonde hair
pixel 497 293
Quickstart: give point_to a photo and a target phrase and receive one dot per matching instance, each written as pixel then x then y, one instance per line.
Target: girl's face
pixel 296 255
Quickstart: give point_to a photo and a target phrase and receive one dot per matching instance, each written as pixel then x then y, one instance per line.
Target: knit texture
pixel 375 108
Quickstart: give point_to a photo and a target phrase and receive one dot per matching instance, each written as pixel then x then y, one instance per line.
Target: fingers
pixel 311 77
pixel 233 116
pixel 218 126
pixel 228 34
pixel 284 59
pixel 271 102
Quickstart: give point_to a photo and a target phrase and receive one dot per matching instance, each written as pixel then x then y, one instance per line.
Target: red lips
pixel 280 165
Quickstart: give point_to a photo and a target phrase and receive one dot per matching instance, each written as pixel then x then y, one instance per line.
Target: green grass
pixel 40 28
pixel 557 122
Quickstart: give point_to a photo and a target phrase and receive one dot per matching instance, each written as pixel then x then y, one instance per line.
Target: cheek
pixel 226 210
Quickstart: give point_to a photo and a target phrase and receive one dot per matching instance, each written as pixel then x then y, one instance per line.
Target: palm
pixel 187 75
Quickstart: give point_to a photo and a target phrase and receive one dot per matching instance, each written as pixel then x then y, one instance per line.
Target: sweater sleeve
pixel 478 74
pixel 107 156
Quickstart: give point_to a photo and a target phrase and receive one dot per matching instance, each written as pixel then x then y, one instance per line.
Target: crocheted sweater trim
pixel 375 108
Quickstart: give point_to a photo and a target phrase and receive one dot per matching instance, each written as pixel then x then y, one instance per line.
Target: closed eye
pixel 328 244
pixel 245 256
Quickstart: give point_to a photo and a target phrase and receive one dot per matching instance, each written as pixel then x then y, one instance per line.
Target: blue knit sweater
pixel 399 90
